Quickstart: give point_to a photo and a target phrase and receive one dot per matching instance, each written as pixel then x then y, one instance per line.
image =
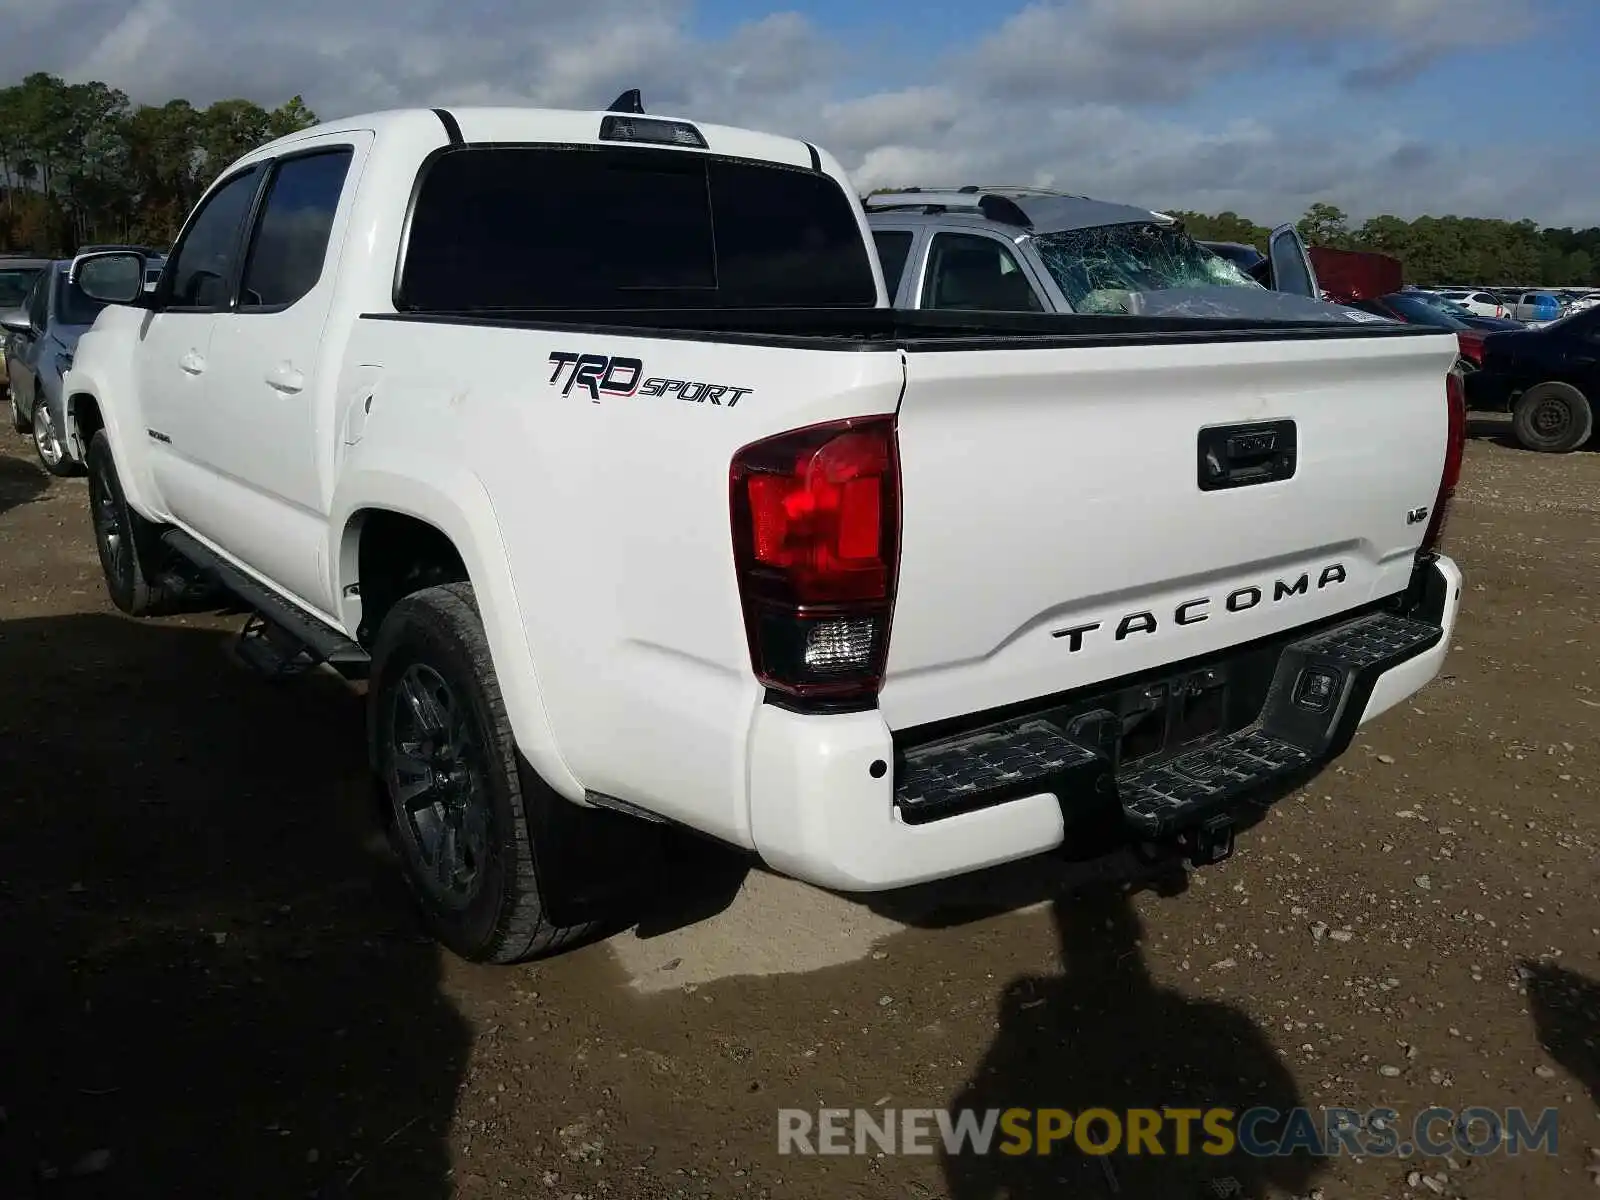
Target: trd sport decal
pixel 597 375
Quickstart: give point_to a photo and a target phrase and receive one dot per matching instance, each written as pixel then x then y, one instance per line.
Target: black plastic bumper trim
pixel 1073 753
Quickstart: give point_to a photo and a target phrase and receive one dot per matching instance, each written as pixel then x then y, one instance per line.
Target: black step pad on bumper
pixel 1319 690
pixel 988 767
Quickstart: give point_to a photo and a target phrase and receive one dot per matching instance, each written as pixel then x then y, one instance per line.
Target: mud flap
pixel 593 864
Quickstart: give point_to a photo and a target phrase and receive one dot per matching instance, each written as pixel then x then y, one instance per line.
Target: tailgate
pixel 1078 514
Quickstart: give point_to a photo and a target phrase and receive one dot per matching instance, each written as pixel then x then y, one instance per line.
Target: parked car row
pixel 1544 373
pixel 1547 377
pixel 998 249
pixel 42 316
pixel 1530 305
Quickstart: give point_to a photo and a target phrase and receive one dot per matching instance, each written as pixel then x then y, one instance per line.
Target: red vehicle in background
pixel 1351 275
pixel 1375 283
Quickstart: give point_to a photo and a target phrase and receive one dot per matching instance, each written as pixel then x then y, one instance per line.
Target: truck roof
pixel 535 125
pixel 1034 210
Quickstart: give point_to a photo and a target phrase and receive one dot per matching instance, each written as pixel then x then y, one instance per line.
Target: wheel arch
pixel 87 412
pixel 454 505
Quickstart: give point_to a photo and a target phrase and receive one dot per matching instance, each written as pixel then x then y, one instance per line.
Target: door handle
pixel 284 378
pixel 1233 456
pixel 192 363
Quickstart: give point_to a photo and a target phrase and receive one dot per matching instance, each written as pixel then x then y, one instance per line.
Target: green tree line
pixel 80 164
pixel 1435 250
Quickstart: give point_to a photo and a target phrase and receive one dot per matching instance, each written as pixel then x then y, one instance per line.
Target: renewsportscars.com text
pixel 1258 1132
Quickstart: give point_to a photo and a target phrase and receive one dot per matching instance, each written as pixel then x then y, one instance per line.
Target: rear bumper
pixel 833 801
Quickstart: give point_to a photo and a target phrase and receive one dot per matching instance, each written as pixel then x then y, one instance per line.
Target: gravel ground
pixel 210 987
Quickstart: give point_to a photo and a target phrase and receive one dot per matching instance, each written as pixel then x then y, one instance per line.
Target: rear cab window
pixel 519 228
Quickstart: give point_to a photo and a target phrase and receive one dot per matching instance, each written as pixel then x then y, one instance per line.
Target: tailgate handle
pixel 1233 456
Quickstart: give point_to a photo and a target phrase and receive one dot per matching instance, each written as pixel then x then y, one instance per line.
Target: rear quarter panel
pixel 614 517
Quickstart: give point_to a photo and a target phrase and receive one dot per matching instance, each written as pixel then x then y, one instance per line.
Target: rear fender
pixel 453 500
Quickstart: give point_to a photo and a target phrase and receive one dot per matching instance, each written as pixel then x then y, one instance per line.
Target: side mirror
pixel 111 276
pixel 16 320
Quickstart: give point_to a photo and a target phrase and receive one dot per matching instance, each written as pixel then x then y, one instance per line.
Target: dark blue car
pixel 1547 378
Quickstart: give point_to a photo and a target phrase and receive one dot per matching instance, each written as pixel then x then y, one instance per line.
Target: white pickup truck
pixel 590 441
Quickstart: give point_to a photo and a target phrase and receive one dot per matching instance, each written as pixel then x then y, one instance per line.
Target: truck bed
pixel 883 329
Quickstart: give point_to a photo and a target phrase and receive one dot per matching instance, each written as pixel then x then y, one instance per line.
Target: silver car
pixel 41 337
pixel 1020 249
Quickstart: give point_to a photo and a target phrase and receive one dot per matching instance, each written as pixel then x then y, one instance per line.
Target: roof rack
pixel 1026 189
pixel 970 199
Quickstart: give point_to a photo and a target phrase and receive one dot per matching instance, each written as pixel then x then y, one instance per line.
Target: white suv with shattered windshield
pixel 1006 249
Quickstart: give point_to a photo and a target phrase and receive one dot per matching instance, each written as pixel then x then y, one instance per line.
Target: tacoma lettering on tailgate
pixel 1192 612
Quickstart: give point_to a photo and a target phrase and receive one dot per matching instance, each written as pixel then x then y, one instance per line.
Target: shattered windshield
pixel 1099 267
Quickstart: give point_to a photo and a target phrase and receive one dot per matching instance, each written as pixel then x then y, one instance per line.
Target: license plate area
pixel 1171 715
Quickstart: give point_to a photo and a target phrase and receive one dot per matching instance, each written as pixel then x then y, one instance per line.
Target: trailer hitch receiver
pixel 1209 842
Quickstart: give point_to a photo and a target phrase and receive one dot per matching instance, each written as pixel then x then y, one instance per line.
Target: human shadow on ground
pixel 1104 1035
pixel 211 986
pixel 1566 1014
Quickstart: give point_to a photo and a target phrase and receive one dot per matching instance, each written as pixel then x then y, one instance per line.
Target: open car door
pixel 1287 267
pixel 1291 263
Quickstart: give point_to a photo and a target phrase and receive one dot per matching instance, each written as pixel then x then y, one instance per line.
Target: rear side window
pixel 534 227
pixel 291 235
pixel 966 271
pixel 894 247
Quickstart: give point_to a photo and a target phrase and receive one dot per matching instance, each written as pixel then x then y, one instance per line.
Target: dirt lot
pixel 209 986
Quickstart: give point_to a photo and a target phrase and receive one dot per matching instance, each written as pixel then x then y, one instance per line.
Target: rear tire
pixel 1552 418
pixel 462 814
pixel 129 545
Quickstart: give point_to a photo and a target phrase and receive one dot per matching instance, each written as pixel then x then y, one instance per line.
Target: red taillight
pixel 1470 342
pixel 1455 449
pixel 816 529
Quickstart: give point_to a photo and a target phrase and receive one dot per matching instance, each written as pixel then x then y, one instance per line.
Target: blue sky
pixel 1261 106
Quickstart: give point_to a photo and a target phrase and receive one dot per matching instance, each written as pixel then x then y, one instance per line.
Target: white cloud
pixel 1082 94
pixel 1144 51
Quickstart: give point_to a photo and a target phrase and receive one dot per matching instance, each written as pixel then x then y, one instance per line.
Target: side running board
pixel 279 639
